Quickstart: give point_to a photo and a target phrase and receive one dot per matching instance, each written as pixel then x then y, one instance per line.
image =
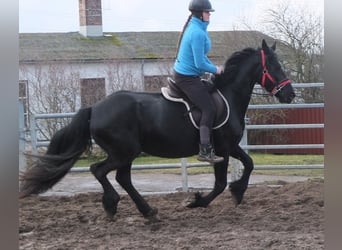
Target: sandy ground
pixel 285 215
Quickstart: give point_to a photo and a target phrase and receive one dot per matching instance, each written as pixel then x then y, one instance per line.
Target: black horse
pixel 127 123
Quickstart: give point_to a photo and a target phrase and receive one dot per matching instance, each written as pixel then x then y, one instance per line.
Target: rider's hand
pixel 219 70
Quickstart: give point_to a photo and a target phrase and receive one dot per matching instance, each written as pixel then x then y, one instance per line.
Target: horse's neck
pixel 238 82
pixel 239 91
pixel 241 98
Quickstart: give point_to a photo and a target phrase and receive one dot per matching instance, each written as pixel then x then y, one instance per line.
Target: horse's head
pixel 273 78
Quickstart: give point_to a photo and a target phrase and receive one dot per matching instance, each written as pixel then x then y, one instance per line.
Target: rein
pixel 260 94
pixel 267 75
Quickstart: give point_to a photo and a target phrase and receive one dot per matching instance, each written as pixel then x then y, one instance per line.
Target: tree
pixel 300 47
pixel 301 35
pixel 53 88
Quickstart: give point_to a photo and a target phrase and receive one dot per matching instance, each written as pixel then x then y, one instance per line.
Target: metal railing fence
pixel 184 165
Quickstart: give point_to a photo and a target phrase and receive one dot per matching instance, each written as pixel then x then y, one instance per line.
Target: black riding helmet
pixel 198 6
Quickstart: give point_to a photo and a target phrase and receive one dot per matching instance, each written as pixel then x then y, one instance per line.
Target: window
pixel 92 91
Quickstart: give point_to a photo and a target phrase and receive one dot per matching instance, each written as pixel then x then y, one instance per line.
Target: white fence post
pixel 185 187
pixel 236 165
pixel 33 129
pixel 22 139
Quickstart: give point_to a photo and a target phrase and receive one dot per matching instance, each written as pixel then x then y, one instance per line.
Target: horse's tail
pixel 65 148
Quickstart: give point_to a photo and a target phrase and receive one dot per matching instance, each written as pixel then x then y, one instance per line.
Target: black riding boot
pixel 207 153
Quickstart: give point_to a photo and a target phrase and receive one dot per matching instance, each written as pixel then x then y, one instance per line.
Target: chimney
pixel 90 18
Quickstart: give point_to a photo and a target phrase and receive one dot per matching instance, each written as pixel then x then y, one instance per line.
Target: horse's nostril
pixel 291 97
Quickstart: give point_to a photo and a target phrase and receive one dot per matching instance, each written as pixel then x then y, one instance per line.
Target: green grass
pixel 270 159
pixel 258 158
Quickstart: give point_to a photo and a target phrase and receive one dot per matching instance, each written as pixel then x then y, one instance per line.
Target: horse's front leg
pixel 220 170
pixel 239 187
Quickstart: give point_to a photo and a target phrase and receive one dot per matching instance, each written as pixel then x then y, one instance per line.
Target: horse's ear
pixel 264 45
pixel 273 47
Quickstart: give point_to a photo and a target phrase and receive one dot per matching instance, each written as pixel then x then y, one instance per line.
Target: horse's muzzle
pixel 289 98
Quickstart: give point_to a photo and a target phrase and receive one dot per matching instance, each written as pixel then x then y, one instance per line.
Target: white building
pixel 60 72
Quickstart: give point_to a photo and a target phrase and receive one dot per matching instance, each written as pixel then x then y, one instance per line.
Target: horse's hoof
pixel 110 205
pixel 152 213
pixel 237 194
pixel 196 201
pixel 188 202
pixel 237 200
pixel 109 209
pixel 152 217
pixel 110 212
pixel 110 216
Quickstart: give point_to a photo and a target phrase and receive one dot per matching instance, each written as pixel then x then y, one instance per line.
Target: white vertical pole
pixel 33 134
pixel 22 140
pixel 236 165
pixel 185 187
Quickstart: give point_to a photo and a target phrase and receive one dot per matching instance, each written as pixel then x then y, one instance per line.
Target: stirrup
pixel 210 159
pixel 207 153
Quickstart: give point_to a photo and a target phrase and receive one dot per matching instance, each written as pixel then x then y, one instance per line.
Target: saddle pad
pixel 165 93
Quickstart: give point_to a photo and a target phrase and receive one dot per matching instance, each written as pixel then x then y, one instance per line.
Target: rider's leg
pixel 199 95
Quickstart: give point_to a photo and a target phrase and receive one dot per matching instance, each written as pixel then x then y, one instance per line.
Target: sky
pixel 148 15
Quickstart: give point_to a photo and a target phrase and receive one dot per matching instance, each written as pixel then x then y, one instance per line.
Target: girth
pixel 173 93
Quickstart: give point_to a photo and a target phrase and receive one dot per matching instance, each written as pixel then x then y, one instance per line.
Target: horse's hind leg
pixel 123 177
pixel 110 198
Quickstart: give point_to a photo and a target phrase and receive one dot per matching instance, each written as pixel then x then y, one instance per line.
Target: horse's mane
pixel 233 63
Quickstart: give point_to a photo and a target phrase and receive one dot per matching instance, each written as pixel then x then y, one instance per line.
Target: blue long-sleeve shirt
pixel 192 56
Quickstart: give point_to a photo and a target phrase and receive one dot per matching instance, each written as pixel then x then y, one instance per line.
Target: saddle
pixel 173 93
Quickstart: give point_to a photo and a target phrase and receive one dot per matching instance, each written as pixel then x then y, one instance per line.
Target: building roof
pixel 125 45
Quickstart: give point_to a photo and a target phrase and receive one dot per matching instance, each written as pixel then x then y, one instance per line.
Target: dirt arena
pixel 282 216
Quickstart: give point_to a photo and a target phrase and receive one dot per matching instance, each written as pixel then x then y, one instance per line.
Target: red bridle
pixel 266 74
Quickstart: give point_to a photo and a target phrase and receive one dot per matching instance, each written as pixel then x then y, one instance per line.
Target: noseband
pixel 266 74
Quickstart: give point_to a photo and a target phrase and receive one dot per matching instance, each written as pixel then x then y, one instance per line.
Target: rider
pixel 191 63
